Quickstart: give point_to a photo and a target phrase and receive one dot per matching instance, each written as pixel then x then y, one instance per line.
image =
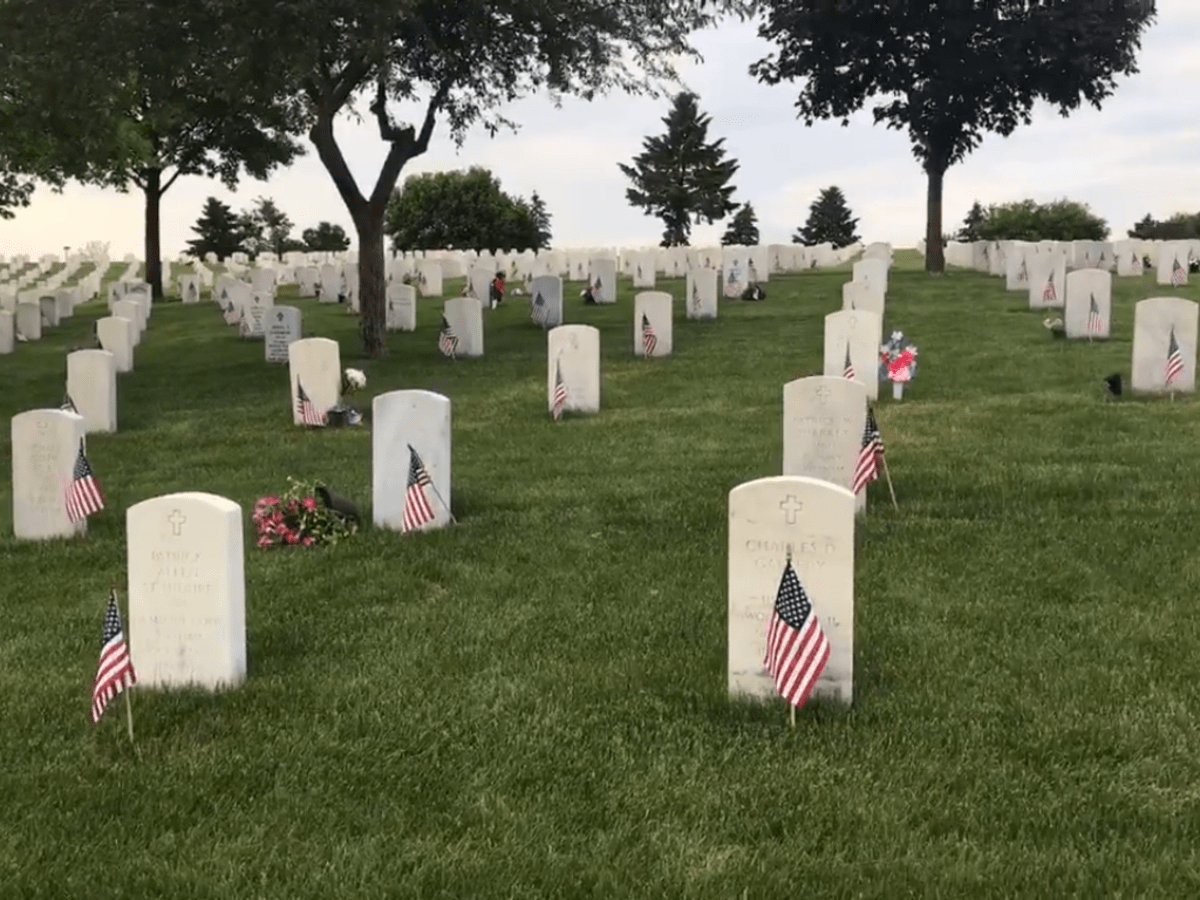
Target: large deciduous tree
pixel 325 237
pixel 172 89
pixel 948 74
pixel 465 210
pixel 1028 220
pixel 681 175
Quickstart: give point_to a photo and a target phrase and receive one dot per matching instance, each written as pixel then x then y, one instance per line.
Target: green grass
pixel 532 703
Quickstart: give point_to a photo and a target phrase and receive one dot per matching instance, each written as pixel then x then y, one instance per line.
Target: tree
pixel 465 61
pixel 970 232
pixel 680 175
pixel 540 220
pixel 270 228
pixel 1179 227
pixel 829 221
pixel 743 230
pixel 949 75
pixel 468 210
pixel 173 93
pixel 325 238
pixel 221 231
pixel 1027 220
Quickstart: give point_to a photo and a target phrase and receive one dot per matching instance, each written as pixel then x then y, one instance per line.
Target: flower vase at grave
pixel 897 390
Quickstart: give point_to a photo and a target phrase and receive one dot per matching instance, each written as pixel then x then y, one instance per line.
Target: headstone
pixel 465 315
pixel 867 296
pixel 874 271
pixel 1089 303
pixel 282 329
pixel 602 276
pixel 576 349
pixel 550 289
pixel 858 334
pixel 64 304
pixel 128 309
pixel 316 363
pixel 350 288
pixel 653 307
pixel 400 419
pixel 140 296
pixel 307 279
pixel 187 591
pixel 45 445
pixel 49 312
pixel 29 321
pixel 401 307
pixel 330 283
pixel 92 386
pixel 1172 269
pixel 256 313
pixel 429 278
pixel 116 336
pixel 263 281
pixel 823 422
pixel 1016 267
pixel 702 293
pixel 1047 281
pixel 7 332
pixel 1130 263
pixel 735 276
pixel 479 281
pixel 1164 345
pixel 189 288
pixel 642 270
pixel 813 519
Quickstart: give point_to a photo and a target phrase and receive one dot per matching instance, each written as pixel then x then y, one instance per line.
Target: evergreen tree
pixel 271 229
pixel 325 238
pixel 540 219
pixel 743 230
pixel 829 221
pixel 972 229
pixel 221 231
pixel 681 176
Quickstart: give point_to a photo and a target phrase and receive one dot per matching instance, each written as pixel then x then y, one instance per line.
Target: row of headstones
pixel 1126 257
pixel 26 319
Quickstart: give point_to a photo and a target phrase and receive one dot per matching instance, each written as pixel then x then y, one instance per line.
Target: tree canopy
pixel 1178 227
pixel 219 230
pixel 743 228
pixel 325 237
pixel 1028 220
pixel 466 210
pixel 948 75
pixel 680 175
pixel 829 221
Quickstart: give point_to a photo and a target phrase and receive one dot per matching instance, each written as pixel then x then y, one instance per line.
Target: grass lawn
pixel 532 703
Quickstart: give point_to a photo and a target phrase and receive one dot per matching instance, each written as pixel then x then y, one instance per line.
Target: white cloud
pixel 1134 156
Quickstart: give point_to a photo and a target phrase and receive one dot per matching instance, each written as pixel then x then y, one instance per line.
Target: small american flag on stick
pixel 540 312
pixel 1094 324
pixel 1049 294
pixel 309 414
pixel 848 369
pixel 866 469
pixel 1174 361
pixel 649 340
pixel 797 649
pixel 1178 274
pixel 68 405
pixel 447 339
pixel 115 672
pixel 84 496
pixel 560 392
pixel 417 510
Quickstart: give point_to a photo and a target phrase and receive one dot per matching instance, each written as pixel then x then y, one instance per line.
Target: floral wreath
pixel 897 359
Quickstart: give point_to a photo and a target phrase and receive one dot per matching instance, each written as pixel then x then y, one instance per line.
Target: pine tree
pixel 681 176
pixel 220 229
pixel 972 228
pixel 743 230
pixel 272 229
pixel 829 221
pixel 540 219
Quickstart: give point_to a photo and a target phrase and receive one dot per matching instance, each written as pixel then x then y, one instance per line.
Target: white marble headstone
pixel 1016 267
pixel 128 309
pixel 1130 263
pixel 702 293
pixel 401 307
pixel 1089 303
pixel 189 288
pixel 576 348
pixel 29 321
pixel 317 363
pixel 1047 281
pixel 823 422
pixel 429 278
pixel 735 272
pixel 400 419
pixel 1156 322
pixel 465 315
pixel 550 289
pixel 860 333
pixel 45 445
pixel 281 329
pixel 602 275
pixel 479 282
pixel 187 591
pixel 656 307
pixel 1172 269
pixel 116 336
pixel 329 283
pixel 874 271
pixel 256 313
pixel 92 386
pixel 815 520
pixel 8 327
pixel 867 296
pixel 642 270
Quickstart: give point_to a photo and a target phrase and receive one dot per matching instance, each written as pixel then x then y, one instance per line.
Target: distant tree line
pixel 264 228
pixel 1028 220
pixel 1179 227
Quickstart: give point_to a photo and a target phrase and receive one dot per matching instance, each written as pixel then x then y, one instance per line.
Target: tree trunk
pixel 152 189
pixel 935 254
pixel 372 283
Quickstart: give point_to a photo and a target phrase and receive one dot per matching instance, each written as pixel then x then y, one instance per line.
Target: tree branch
pixel 170 181
pixel 405 143
pixel 321 134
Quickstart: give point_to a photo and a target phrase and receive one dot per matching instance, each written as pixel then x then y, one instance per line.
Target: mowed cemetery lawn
pixel 532 703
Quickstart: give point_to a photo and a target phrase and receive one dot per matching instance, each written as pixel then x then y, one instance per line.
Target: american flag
pixel 1093 319
pixel 560 392
pixel 84 496
pixel 695 297
pixel 1049 294
pixel 1174 361
pixel 417 510
pixel 796 646
pixel 68 405
pixel 866 469
pixel 733 287
pixel 848 371
pixel 309 414
pixel 540 312
pixel 1022 274
pixel 649 341
pixel 1178 274
pixel 116 671
pixel 447 339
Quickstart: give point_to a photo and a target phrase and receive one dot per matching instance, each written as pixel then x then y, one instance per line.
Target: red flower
pixel 310 503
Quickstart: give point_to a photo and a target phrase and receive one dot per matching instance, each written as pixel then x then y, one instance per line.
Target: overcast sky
pixel 1139 154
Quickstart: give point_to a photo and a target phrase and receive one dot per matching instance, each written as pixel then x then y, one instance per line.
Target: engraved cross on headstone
pixel 823 394
pixel 791 506
pixel 176 520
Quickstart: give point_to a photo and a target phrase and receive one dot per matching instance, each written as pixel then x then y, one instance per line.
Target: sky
pixel 1137 155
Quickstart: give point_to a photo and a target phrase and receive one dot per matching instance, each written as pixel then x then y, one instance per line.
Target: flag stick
pixel 438 494
pixel 891 489
pixel 129 711
pixel 793 717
